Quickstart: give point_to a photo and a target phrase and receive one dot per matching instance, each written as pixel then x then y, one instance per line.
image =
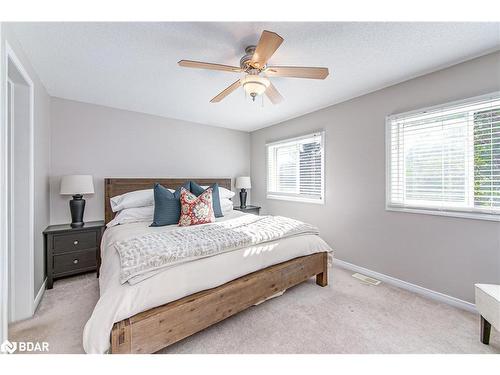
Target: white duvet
pixel 120 301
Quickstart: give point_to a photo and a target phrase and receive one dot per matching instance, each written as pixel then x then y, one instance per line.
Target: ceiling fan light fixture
pixel 255 85
pixel 255 62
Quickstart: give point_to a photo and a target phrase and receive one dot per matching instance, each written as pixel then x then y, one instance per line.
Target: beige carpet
pixel 345 317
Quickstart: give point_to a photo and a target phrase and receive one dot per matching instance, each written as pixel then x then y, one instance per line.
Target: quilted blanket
pixel 146 255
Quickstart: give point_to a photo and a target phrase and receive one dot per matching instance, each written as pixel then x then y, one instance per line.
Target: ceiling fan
pixel 254 65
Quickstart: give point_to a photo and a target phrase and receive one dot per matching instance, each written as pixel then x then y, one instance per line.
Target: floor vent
pixel 366 279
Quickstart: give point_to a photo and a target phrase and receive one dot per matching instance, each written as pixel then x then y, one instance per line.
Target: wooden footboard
pixel 162 326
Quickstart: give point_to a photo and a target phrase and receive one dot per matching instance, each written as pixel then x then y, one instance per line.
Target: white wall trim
pixel 11 55
pixel 448 213
pixel 39 295
pixel 11 256
pixel 456 302
pixel 4 271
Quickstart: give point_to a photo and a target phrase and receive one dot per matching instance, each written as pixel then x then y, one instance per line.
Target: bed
pixel 185 299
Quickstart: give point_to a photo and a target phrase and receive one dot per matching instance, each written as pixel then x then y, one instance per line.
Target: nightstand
pixel 248 209
pixel 70 251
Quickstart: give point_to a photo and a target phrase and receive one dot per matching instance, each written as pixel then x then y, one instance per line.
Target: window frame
pixel 450 212
pixel 291 197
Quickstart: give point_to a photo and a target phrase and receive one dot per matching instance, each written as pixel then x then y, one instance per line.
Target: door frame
pixel 29 304
pixel 9 109
pixel 3 200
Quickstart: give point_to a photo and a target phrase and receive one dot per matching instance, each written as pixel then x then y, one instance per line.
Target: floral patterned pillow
pixel 196 209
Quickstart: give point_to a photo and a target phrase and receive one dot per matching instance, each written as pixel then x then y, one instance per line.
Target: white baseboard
pixel 409 286
pixel 39 295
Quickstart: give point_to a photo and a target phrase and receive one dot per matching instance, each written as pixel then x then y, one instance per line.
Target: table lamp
pixel 243 183
pixel 77 185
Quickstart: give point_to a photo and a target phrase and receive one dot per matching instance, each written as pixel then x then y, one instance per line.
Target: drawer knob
pixel 75 261
pixel 75 242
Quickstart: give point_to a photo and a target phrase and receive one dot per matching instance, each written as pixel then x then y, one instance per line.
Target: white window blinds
pixel 295 169
pixel 446 158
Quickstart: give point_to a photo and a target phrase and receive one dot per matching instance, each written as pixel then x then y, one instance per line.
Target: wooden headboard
pixel 117 186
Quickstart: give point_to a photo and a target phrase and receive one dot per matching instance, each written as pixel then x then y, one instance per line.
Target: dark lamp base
pixel 77 207
pixel 243 198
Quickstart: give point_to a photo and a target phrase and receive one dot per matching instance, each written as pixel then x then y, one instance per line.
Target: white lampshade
pixel 255 85
pixel 243 183
pixel 77 184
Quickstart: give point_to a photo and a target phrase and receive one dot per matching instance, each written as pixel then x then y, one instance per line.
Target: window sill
pixel 295 199
pixel 459 214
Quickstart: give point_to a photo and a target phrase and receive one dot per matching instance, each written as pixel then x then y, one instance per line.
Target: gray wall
pixel 41 154
pixel 106 142
pixel 444 254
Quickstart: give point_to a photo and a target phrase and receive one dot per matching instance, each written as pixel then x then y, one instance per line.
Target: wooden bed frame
pixel 159 327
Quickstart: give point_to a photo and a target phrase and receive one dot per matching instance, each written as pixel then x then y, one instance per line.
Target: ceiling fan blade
pixel 205 65
pixel 268 44
pixel 297 72
pixel 226 92
pixel 273 94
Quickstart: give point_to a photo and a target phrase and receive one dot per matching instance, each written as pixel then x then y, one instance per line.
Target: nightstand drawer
pixel 70 251
pixel 67 242
pixel 75 261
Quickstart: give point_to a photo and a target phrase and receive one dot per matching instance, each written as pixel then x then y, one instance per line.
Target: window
pixel 295 169
pixel 446 159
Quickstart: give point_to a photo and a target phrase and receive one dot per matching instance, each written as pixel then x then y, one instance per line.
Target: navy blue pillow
pixel 167 205
pixel 197 190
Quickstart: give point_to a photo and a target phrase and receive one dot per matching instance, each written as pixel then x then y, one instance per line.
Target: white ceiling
pixel 133 66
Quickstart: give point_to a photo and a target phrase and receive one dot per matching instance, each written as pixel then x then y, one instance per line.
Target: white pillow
pixel 133 215
pixel 223 192
pixel 143 198
pixel 138 198
pixel 226 206
pixel 146 213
